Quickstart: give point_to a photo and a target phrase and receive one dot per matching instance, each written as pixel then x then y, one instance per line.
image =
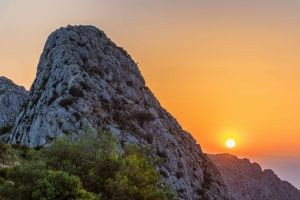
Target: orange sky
pixel 221 68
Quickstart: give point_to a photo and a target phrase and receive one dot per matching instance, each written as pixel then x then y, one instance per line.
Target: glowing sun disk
pixel 230 143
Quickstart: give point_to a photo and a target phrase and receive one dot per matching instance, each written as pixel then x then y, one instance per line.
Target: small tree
pixel 33 181
pixel 90 162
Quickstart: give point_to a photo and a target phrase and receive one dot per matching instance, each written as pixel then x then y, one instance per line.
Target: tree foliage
pixel 33 181
pixel 87 166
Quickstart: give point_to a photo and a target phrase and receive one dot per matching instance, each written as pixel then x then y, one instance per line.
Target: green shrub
pixel 60 185
pixel 77 167
pixel 3 172
pixel 4 147
pixel 2 181
pixel 134 172
pixel 37 148
pixel 22 149
pixel 102 169
pixel 19 146
pixel 33 181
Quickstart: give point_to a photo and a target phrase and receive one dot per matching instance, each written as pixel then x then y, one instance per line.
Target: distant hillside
pixel 247 181
pixel 12 98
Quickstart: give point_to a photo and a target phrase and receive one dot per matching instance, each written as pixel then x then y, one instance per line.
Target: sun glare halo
pixel 230 143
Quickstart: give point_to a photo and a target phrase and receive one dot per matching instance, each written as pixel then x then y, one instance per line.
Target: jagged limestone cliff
pixel 12 98
pixel 247 181
pixel 84 78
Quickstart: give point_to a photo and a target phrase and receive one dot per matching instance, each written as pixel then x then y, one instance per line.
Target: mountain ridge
pixel 246 180
pixel 12 98
pixel 85 78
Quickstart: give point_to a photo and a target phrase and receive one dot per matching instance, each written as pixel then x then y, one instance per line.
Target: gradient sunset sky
pixel 224 69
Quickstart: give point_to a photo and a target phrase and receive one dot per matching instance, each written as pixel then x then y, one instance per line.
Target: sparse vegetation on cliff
pixel 88 166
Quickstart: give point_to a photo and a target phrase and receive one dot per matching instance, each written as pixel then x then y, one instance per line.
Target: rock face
pixel 12 97
pixel 246 180
pixel 84 78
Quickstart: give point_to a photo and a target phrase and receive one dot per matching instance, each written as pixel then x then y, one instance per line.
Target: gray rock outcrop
pixel 12 98
pixel 84 78
pixel 247 181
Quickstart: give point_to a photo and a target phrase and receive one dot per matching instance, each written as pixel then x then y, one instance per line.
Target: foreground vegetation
pixel 87 167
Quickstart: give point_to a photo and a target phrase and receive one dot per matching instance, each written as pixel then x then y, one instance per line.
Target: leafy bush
pixel 76 167
pixel 3 173
pixel 134 180
pixel 21 149
pixel 34 182
pixel 19 146
pixel 2 181
pixel 7 155
pixel 4 147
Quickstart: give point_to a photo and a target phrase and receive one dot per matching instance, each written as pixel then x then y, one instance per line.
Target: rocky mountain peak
pixel 4 80
pixel 246 180
pixel 85 78
pixel 12 97
pixel 6 85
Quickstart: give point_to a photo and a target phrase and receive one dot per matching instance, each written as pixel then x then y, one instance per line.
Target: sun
pixel 230 143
